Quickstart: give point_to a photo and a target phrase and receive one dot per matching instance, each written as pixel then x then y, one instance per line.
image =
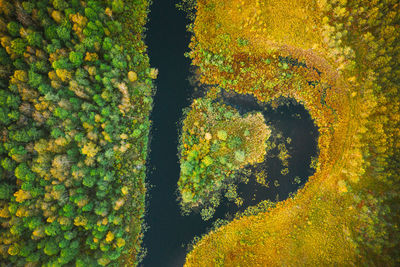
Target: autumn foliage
pixel 75 99
pixel 340 60
pixel 215 143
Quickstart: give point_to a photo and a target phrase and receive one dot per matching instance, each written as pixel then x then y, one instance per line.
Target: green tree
pixel 61 113
pixel 107 44
pixel 8 164
pixel 28 6
pixel 18 46
pixel 35 79
pixel 52 229
pixel 64 33
pixel 62 63
pixel 90 14
pixel 117 6
pixel 89 180
pixel 69 210
pixel 6 191
pixel 4 119
pixel 60 4
pixel 76 58
pixel 50 32
pixel 51 248
pixel 67 255
pixel 13 28
pixel 23 173
pixel 34 39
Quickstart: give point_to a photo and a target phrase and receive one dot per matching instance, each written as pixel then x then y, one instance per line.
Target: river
pixel 168 231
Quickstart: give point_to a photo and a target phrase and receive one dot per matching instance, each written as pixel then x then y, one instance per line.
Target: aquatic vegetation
pixel 263 206
pixel 340 60
pixel 261 178
pixel 285 171
pixel 75 98
pixel 283 154
pixel 314 163
pixel 215 143
pixel 297 180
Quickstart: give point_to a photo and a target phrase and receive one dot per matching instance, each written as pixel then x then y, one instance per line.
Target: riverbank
pixel 336 218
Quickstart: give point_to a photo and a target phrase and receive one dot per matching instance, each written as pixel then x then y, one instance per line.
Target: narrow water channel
pixel 168 231
pixel 167 42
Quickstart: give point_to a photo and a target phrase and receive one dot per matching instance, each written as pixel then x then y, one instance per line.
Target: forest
pixel 76 94
pixel 77 103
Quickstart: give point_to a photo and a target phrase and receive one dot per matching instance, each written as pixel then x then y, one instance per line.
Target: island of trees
pixel 216 142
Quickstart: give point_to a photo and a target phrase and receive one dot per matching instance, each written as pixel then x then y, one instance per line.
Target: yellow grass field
pixel 275 48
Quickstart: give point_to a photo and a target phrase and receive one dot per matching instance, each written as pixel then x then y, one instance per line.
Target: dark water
pixel 168 231
pixel 289 119
pixel 167 40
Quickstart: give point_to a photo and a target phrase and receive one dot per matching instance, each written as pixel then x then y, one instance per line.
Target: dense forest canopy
pixel 75 98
